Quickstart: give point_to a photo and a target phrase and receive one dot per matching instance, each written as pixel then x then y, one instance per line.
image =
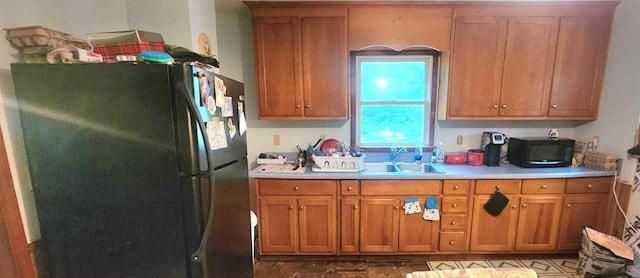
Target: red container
pixel 475 157
pixel 455 158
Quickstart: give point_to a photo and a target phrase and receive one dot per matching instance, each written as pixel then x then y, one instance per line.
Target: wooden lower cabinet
pixel 493 233
pixel 417 234
pixel 538 222
pixel 379 225
pixel 317 225
pixel 577 212
pixel 278 225
pixel 350 226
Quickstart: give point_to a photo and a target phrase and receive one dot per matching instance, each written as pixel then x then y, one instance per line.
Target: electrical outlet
pixel 276 139
pixel 323 137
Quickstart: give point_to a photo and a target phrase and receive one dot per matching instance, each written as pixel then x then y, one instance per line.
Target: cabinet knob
pixel 455 187
pixel 495 106
pixel 543 186
pixel 524 206
pixel 291 207
pixel 514 207
pixel 307 106
pixel 453 222
pixel 349 188
pixel 568 205
pixel 297 105
pixel 504 106
pixel 451 242
pixel 301 207
pixel 396 207
pixel 454 205
pixel 589 185
pixel 355 207
pixel 498 186
pixel 554 106
pixel 296 188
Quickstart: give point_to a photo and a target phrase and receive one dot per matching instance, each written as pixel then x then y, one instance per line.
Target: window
pixel 394 98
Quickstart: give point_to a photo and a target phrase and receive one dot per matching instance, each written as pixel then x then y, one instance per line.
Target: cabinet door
pixel 579 66
pixel 580 211
pixel 528 66
pixel 278 68
pixel 493 233
pixel 476 69
pixel 538 223
pixel 317 225
pixel 379 225
pixel 277 225
pixel 324 61
pixel 417 234
pixel 350 226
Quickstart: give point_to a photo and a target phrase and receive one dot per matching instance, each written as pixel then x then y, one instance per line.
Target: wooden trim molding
pixel 13 226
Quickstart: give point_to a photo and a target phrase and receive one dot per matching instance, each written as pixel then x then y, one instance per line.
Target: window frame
pixel 429 122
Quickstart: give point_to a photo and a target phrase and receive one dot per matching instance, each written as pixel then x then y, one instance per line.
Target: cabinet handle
pixel 349 188
pixel 307 106
pixel 514 207
pixel 355 207
pixel 498 186
pixel 301 207
pixel 589 185
pixel 554 106
pixel 451 242
pixel 454 205
pixel 543 186
pixel 495 106
pixel 296 188
pixel 396 207
pixel 568 205
pixel 524 206
pixel 455 187
pixel 291 207
pixel 297 105
pixel 453 222
pixel 504 106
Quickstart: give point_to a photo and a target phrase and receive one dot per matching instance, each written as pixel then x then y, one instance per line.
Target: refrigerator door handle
pixel 198 255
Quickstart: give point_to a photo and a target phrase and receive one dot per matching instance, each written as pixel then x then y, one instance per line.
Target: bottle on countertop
pixel 417 154
pixel 440 153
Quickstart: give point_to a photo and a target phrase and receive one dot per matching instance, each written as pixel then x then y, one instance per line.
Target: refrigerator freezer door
pixel 100 145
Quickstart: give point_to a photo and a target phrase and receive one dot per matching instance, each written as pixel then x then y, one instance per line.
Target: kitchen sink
pixel 401 168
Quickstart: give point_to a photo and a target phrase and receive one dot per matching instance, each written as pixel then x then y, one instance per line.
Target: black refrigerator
pixel 138 170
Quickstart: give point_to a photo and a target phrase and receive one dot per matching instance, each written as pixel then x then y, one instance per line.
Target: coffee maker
pixel 491 144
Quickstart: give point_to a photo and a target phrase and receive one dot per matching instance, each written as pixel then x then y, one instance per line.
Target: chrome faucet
pixel 395 153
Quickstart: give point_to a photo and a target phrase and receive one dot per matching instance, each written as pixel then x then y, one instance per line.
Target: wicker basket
pixel 600 161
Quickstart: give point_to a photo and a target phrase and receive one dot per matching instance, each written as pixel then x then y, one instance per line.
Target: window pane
pixel 388 81
pixel 391 125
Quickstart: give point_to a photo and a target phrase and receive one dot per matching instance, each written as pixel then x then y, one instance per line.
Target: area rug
pixel 543 267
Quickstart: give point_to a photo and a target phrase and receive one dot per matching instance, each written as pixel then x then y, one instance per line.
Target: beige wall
pixel 620 104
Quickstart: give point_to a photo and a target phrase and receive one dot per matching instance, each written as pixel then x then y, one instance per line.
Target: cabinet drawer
pixel 543 186
pixel 453 222
pixel 296 187
pixel 454 204
pixel 456 187
pixel 452 241
pixel 589 185
pixel 505 186
pixel 400 187
pixel 349 188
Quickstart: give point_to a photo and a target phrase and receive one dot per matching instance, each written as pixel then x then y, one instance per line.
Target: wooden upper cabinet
pixel 528 66
pixel 476 68
pixel 278 70
pixel 400 27
pixel 579 66
pixel 324 66
pixel 301 63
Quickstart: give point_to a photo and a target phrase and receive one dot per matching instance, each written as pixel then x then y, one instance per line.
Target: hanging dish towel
pixel 431 211
pixel 411 206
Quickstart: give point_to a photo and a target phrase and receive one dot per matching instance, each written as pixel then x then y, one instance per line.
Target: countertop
pixel 504 171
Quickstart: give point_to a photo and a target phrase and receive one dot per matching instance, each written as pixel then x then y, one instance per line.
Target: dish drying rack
pixel 338 163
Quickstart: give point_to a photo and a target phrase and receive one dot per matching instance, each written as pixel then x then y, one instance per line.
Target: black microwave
pixel 540 152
